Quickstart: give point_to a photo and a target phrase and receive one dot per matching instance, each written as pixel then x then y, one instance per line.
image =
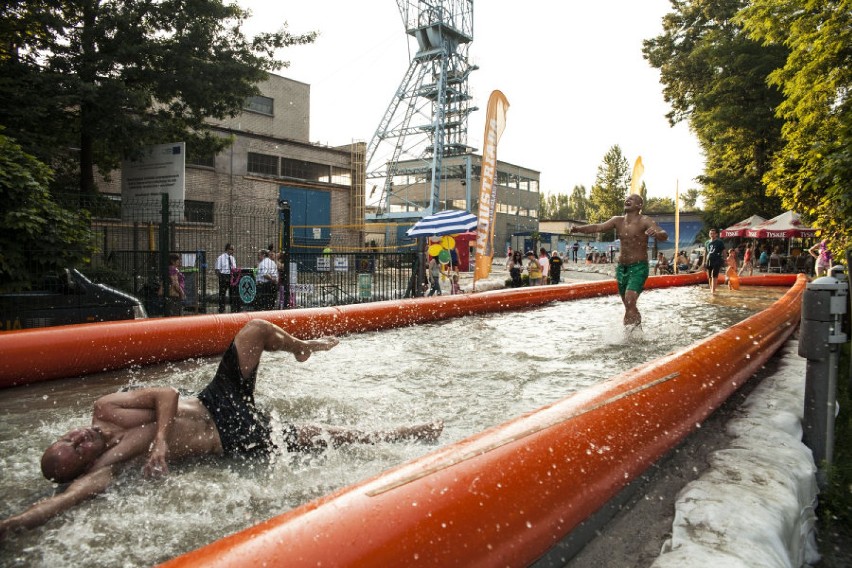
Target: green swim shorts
pixel 631 277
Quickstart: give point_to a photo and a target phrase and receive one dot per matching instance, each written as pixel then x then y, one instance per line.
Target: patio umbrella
pixel 448 222
pixel 787 225
pixel 739 229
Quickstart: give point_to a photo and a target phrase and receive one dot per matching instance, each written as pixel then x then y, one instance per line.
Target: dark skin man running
pixel 633 228
pixel 155 426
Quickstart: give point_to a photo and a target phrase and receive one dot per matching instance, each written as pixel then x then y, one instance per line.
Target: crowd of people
pixel 545 268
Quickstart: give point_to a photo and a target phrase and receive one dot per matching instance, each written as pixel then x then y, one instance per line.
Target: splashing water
pixel 473 373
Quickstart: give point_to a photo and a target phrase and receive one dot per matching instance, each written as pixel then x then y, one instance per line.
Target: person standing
pixel 176 292
pixel 267 280
pixel 633 228
pixel 574 249
pixel 748 260
pixel 533 269
pixel 515 266
pixel 434 276
pixel 544 261
pixel 555 268
pixel 226 265
pixel 731 271
pixel 823 258
pixel 714 251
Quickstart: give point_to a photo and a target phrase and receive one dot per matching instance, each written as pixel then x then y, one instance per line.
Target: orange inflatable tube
pixel 33 355
pixel 505 496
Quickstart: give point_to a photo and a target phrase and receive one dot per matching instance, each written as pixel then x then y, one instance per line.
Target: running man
pixel 154 426
pixel 633 228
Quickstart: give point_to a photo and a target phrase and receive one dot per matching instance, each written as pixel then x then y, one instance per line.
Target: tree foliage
pixel 659 205
pixel 812 172
pixel 578 203
pixel 36 234
pixel 689 200
pixel 715 77
pixel 561 206
pixel 612 182
pixel 102 79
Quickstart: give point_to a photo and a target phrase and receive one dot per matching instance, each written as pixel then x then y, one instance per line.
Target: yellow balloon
pixel 448 243
pixel 435 250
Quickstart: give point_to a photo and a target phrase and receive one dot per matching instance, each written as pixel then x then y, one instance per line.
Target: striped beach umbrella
pixel 448 222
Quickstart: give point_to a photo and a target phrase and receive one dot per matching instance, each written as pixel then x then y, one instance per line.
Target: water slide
pixel 503 496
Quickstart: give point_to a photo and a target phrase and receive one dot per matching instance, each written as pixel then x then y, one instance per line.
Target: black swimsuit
pixel 243 429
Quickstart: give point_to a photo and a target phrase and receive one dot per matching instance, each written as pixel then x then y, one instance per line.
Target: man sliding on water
pixel 633 229
pixel 157 426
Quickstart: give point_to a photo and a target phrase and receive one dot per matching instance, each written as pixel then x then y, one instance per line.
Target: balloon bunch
pixel 440 247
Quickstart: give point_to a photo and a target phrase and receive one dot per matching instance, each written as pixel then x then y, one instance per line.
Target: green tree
pixel 554 206
pixel 689 200
pixel 715 77
pixel 97 81
pixel 659 205
pixel 578 204
pixel 812 172
pixel 36 234
pixel 611 185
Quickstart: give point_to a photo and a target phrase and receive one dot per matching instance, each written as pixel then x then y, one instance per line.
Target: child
pixel 731 272
pixel 454 284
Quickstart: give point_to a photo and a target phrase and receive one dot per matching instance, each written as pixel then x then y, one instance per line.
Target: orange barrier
pixel 33 355
pixel 506 495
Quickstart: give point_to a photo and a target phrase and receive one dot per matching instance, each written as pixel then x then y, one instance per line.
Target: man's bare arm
pixel 82 488
pixel 656 231
pixel 143 406
pixel 596 227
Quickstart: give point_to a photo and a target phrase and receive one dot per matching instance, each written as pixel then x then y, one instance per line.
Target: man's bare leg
pixel 259 335
pixel 311 436
pixel 632 317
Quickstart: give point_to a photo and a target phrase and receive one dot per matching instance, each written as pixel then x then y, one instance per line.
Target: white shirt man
pixel 226 261
pixel 267 281
pixel 267 270
pixel 224 265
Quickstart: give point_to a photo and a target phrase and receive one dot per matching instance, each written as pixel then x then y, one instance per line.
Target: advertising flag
pixel 495 122
pixel 636 178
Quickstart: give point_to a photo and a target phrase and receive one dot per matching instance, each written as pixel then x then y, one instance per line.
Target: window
pixel 260 104
pixel 262 164
pixel 341 176
pixel 309 171
pixel 198 211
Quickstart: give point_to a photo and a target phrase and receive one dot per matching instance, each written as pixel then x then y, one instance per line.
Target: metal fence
pixel 132 242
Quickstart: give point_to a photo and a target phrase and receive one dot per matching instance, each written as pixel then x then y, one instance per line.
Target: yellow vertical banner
pixel 495 122
pixel 638 171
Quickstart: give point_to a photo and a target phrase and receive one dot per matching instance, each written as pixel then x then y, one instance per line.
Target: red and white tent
pixel 785 226
pixel 739 229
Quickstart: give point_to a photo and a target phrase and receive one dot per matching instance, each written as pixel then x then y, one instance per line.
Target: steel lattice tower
pixel 426 120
